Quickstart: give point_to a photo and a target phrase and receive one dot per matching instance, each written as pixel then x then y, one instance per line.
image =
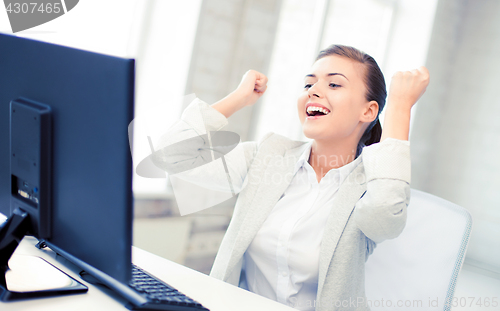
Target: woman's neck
pixel 327 155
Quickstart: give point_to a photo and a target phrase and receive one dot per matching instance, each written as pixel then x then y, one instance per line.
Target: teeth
pixel 315 108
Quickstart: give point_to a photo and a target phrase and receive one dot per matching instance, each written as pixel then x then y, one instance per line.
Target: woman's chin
pixel 311 133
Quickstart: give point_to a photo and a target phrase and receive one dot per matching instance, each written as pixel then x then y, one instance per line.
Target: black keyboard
pixel 160 296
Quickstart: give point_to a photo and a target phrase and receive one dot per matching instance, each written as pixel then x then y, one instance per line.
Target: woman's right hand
pixel 251 88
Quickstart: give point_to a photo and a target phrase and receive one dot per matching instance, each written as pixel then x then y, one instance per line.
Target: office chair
pixel 418 270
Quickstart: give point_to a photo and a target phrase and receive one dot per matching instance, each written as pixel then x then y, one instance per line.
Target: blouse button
pixel 283 273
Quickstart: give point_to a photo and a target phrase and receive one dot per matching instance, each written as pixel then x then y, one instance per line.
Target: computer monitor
pixel 77 184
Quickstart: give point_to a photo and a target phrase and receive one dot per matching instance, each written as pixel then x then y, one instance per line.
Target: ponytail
pixel 372 135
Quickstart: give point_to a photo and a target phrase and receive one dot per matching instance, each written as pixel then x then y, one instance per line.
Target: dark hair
pixel 375 84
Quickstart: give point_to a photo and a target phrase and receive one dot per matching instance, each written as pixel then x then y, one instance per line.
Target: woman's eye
pixel 334 85
pixel 307 86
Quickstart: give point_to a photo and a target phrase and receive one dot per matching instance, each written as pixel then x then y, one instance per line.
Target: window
pixel 159 35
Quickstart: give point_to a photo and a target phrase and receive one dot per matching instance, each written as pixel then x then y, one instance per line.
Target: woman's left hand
pixel 407 87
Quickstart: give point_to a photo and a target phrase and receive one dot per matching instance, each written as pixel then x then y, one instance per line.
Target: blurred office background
pixel 205 46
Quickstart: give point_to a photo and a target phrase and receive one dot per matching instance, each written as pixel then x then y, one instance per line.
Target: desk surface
pixel 214 294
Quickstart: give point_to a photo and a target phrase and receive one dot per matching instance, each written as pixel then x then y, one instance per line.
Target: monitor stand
pixel 30 205
pixel 23 276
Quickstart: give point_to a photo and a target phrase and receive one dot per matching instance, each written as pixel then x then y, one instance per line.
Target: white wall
pixel 456 136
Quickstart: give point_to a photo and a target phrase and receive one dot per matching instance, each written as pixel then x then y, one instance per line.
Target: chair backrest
pixel 418 270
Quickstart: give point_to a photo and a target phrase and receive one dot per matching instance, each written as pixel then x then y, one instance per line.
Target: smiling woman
pixel 310 213
pixel 365 89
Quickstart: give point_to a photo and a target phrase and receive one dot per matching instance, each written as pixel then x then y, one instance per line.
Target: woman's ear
pixel 370 112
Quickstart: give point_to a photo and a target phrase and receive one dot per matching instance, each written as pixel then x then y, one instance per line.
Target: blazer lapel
pixel 277 177
pixel 348 194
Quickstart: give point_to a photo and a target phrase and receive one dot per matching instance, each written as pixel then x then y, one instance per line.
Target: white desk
pixel 212 293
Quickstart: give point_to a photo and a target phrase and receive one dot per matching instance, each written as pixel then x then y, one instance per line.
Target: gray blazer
pixel 369 207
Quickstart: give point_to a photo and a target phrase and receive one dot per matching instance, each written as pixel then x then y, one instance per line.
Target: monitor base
pixel 33 277
pixel 26 277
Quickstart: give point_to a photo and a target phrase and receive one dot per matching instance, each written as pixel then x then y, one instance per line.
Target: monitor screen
pixel 91 98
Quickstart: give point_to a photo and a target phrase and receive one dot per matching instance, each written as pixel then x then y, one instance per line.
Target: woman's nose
pixel 313 91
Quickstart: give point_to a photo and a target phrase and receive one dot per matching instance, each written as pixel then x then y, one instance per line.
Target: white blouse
pixel 282 261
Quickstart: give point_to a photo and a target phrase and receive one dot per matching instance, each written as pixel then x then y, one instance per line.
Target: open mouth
pixel 314 111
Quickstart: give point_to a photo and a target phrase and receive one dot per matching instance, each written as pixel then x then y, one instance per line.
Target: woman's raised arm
pixel 381 212
pixel 251 88
pixel 406 88
pixel 187 150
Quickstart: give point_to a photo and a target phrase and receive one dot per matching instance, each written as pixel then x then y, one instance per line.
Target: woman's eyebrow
pixel 337 74
pixel 330 74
